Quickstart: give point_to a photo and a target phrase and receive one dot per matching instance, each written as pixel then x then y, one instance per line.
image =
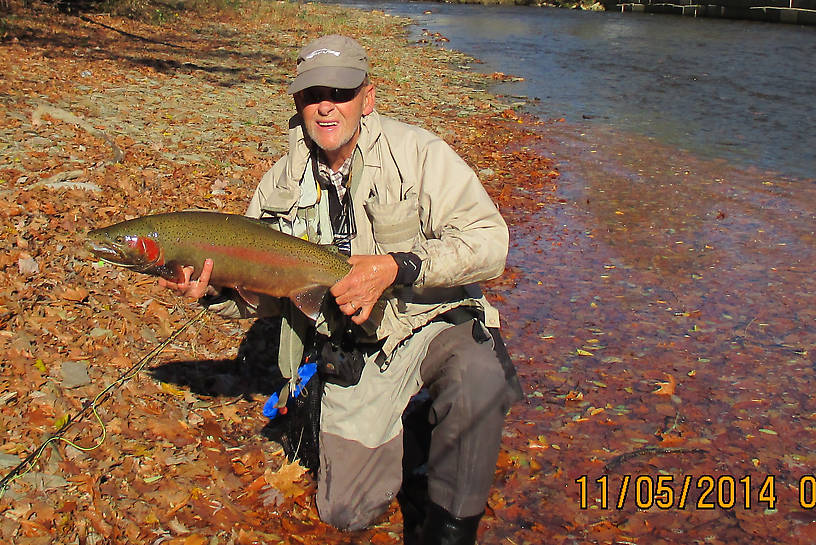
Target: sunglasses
pixel 315 95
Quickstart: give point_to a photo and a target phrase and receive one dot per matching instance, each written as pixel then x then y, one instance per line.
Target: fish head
pixel 125 245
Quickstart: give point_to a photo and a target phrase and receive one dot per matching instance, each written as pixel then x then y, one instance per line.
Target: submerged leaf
pixel 666 388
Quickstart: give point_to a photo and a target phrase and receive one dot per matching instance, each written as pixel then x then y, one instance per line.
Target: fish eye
pixel 120 239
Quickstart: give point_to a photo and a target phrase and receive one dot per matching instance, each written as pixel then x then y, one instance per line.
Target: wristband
pixel 408 267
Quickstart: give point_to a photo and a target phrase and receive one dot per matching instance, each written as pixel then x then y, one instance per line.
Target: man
pixel 421 231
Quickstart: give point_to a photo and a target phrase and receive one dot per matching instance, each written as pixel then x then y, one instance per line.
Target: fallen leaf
pixel 75 294
pixel 666 388
pixel 285 480
pixel 574 396
pixel 168 388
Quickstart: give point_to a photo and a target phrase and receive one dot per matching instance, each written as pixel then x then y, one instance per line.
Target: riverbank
pixel 103 118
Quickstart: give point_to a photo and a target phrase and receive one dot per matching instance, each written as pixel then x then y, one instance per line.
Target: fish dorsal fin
pixel 309 300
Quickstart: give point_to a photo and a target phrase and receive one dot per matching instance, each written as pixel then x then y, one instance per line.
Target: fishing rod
pixel 90 406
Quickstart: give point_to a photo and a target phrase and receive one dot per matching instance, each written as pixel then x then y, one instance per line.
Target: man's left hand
pixel 358 291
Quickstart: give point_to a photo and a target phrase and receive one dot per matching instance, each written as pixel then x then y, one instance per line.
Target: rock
pixel 98 332
pixel 44 481
pixel 71 179
pixel 148 335
pixel 7 461
pixel 39 142
pixel 27 265
pixel 74 374
pixel 22 341
pixel 87 186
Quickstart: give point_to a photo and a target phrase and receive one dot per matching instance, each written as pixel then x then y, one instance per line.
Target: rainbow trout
pixel 247 254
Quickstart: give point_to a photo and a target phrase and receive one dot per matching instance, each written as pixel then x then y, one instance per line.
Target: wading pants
pixel 469 399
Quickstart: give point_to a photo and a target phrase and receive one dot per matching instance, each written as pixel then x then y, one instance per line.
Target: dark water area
pixel 662 314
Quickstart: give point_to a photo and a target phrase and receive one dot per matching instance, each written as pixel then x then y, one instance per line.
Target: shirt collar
pixel 337 178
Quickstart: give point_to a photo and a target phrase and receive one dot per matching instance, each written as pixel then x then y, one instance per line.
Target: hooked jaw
pixel 124 251
pixel 107 252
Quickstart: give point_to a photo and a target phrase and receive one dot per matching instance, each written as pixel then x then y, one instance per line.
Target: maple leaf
pixel 284 481
pixel 666 388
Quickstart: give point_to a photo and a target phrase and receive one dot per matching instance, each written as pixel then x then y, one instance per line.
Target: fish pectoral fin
pixel 252 298
pixel 172 271
pixel 309 300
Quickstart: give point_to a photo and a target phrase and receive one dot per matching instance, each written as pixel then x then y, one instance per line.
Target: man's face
pixel 331 117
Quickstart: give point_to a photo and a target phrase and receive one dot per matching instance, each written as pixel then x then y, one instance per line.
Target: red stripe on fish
pixel 251 254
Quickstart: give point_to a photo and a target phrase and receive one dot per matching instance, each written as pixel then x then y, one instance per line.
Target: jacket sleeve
pixel 465 238
pixel 267 194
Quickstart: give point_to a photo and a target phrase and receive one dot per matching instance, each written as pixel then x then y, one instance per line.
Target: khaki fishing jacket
pixel 411 193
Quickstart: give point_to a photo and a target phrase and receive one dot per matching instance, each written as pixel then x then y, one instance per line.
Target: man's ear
pixel 368 100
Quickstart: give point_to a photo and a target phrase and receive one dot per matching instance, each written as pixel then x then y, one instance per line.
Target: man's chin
pixel 330 145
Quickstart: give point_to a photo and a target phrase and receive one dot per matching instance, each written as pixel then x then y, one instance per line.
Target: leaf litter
pixel 111 118
pixel 198 109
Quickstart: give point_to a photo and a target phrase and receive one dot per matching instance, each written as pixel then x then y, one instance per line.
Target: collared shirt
pixel 340 206
pixel 338 179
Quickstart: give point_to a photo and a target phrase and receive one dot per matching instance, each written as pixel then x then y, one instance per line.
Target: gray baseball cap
pixel 330 61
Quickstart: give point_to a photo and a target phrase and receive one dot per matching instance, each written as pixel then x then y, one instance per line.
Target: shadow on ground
pixel 217 52
pixel 253 372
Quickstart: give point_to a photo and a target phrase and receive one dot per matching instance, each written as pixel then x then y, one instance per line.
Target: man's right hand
pixel 195 289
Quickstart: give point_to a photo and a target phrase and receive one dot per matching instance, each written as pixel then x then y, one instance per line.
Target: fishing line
pixel 90 406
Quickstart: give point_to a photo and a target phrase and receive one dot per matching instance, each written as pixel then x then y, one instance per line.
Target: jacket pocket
pixel 395 226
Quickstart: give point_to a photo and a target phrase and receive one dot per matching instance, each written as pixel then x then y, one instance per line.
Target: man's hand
pixel 358 291
pixel 194 289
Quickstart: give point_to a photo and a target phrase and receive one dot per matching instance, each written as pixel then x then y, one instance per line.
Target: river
pixel 738 90
pixel 662 313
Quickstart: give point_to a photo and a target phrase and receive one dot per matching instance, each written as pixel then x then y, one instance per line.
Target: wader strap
pixel 294 325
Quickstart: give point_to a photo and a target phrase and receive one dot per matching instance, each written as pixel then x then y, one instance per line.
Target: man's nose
pixel 325 107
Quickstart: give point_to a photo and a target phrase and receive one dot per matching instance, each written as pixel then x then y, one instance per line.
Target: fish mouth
pixel 109 253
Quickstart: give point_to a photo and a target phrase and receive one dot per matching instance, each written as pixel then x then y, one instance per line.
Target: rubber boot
pixel 413 518
pixel 442 528
pixel 413 496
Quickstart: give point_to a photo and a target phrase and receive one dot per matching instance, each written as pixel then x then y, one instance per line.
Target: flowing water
pixel 738 90
pixel 667 301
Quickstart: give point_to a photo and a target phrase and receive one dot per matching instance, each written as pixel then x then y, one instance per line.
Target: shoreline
pixel 107 118
pixel 588 5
